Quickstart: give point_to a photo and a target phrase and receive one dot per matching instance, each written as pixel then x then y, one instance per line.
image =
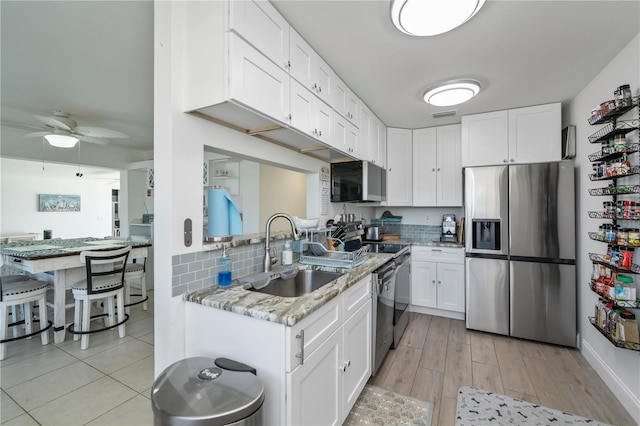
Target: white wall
pixel 619 368
pixel 23 181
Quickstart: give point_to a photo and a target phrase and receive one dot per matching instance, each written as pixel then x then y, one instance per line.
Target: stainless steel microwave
pixel 358 181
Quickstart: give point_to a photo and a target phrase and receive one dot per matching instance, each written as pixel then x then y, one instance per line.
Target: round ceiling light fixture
pixel 61 140
pixel 432 17
pixel 452 92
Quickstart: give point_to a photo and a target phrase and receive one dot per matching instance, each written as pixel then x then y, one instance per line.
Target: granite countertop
pixel 285 310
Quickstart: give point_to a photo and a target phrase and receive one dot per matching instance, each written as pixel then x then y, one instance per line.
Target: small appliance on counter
pixel 449 231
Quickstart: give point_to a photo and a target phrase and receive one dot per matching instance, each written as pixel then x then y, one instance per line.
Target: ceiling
pixel 94 59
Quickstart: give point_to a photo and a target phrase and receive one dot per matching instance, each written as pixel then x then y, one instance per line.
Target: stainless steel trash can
pixel 203 391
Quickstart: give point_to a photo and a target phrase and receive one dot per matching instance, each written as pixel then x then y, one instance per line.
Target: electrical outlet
pixel 426 218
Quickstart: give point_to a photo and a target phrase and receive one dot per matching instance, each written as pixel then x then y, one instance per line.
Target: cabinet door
pixel 448 167
pixel 485 139
pixel 315 387
pixel 323 79
pixel 399 167
pixel 535 134
pixel 324 121
pixel 357 356
pixel 374 140
pixel 256 82
pixel 382 145
pixel 425 167
pixel 258 22
pixel 302 109
pixel 365 142
pixel 301 57
pixel 423 284
pixel 451 287
pixel 353 107
pixel 345 135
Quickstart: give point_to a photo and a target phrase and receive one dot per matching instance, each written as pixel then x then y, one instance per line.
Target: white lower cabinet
pixel 312 372
pixel 437 279
pixel 328 383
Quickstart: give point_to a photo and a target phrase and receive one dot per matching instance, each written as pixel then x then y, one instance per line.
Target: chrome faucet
pixel 267 237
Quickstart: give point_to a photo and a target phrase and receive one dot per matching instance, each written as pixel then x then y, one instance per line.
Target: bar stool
pixel 16 290
pixel 132 272
pixel 100 284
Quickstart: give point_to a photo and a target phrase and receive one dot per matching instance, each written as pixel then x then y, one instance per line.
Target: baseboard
pixel 438 312
pixel 619 389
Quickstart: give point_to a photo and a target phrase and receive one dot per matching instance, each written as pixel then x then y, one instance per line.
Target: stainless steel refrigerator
pixel 520 251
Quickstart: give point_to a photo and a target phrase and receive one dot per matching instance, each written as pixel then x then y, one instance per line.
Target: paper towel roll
pixel 224 217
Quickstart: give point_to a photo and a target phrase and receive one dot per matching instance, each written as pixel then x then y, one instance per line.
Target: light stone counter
pixel 285 310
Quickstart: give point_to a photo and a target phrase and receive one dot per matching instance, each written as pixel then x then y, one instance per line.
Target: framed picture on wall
pixel 59 203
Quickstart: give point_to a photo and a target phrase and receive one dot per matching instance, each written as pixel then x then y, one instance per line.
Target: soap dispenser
pixel 224 276
pixel 287 254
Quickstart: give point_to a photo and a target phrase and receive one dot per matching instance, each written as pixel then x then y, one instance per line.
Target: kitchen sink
pixel 304 282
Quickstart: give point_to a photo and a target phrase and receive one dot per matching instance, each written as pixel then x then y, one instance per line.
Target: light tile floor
pixel 60 384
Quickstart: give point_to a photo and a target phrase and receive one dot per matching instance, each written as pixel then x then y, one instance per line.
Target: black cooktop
pixel 379 247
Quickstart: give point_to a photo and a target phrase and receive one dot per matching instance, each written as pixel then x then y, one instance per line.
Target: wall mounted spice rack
pixel 624 345
pixel 610 164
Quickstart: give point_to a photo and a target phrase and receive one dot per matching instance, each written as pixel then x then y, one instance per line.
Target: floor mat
pixel 377 406
pixel 480 407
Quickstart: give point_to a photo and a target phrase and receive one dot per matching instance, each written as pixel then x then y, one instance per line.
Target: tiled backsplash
pixel 195 271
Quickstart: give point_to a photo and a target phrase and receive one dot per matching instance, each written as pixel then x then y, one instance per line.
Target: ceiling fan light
pixel 61 141
pixel 432 17
pixel 452 93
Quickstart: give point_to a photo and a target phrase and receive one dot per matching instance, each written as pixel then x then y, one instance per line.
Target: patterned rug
pixel 479 407
pixel 377 406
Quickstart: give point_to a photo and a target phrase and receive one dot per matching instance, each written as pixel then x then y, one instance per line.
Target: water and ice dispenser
pixel 486 234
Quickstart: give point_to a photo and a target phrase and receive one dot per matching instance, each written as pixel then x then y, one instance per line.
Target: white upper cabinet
pixel 382 144
pixel 437 173
pixel 517 136
pixel 364 148
pixel 399 167
pixel 535 134
pixel 485 139
pixel 309 114
pixel 260 24
pixel 309 68
pixel 345 102
pixel 345 135
pixel 257 82
pixel 425 151
pixel 449 166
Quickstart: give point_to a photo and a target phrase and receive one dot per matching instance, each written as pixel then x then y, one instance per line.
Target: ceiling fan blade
pixel 20 126
pixel 90 139
pixel 57 122
pixel 99 132
pixel 36 134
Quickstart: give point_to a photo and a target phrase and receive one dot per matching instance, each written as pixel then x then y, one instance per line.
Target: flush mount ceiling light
pixel 432 17
pixel 452 92
pixel 61 140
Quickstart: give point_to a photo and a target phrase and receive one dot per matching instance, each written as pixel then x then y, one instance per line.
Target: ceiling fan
pixel 64 132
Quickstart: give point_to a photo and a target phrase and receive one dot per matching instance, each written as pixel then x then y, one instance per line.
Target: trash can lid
pixel 195 391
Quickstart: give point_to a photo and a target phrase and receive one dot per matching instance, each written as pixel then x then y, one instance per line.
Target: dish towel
pixel 223 216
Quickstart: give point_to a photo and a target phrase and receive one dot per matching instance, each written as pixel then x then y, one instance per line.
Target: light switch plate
pixel 188 237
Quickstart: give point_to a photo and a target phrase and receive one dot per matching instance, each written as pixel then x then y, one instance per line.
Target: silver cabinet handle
pixel 513 160
pixel 436 249
pixel 315 86
pixel 504 161
pixel 433 281
pixel 319 132
pixel 343 367
pixel 438 169
pixel 439 282
pixel 300 355
pixel 433 170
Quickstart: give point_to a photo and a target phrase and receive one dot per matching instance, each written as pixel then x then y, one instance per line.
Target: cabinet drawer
pixel 356 295
pixel 438 254
pixel 316 328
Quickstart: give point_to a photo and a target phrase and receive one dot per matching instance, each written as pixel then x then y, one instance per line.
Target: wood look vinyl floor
pixel 438 355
